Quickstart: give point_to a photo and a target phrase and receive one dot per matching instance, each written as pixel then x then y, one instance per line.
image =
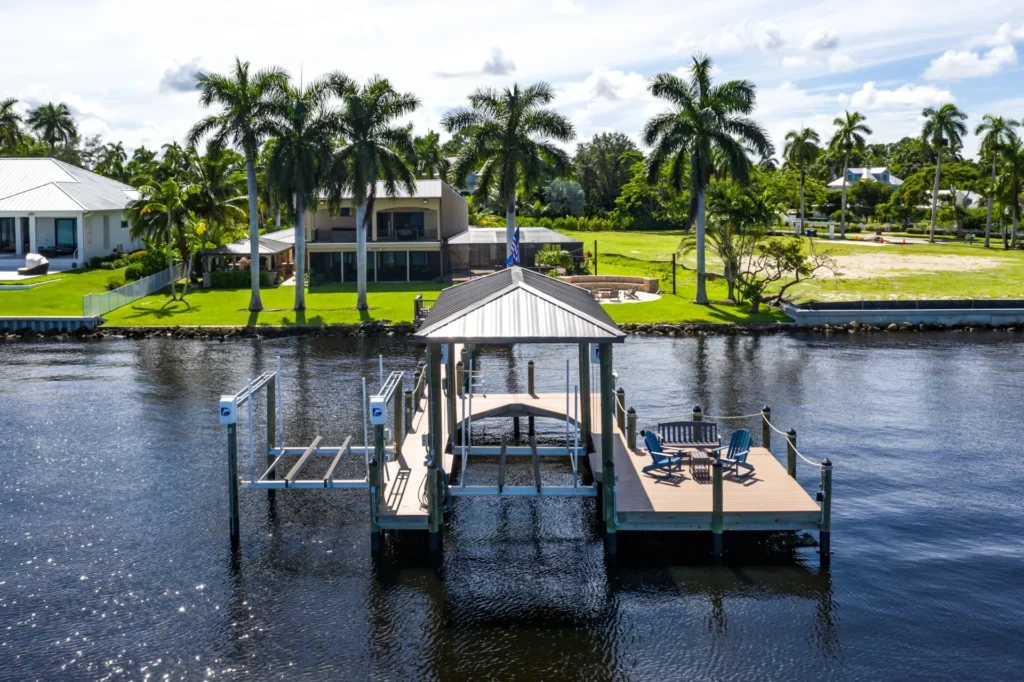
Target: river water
pixel 115 561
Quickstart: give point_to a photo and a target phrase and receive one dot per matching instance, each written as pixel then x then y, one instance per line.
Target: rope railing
pixel 734 416
pixel 791 444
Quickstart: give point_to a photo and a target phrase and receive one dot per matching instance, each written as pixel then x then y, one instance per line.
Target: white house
pixel 880 173
pixel 66 213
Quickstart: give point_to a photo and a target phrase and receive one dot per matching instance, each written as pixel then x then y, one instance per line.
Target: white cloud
pixel 821 39
pixel 566 7
pixel 959 64
pixel 181 77
pixel 841 62
pixel 794 62
pixel 498 64
pixel 762 35
pixel 905 96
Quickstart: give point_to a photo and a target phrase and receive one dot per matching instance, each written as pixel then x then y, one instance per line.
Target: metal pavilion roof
pixel 527 235
pixel 518 306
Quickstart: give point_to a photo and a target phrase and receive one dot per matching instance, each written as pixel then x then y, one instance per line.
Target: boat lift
pixel 231 406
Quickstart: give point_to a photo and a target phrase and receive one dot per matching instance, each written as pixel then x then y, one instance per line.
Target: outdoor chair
pixel 630 294
pixel 735 456
pixel 664 461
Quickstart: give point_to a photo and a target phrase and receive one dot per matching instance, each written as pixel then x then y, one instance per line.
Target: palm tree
pixel 160 214
pixel 707 127
pixel 800 152
pixel 430 160
pixel 849 135
pixel 943 127
pixel 375 149
pixel 112 160
pixel 299 158
pixel 1013 169
pixel 250 104
pixel 508 143
pixel 997 131
pixel 219 177
pixel 10 124
pixel 53 123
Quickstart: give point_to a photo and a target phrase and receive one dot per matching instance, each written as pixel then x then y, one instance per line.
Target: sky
pixel 125 68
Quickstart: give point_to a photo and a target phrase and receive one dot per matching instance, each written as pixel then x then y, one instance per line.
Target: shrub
pixel 137 256
pixel 237 279
pixel 114 282
pixel 150 263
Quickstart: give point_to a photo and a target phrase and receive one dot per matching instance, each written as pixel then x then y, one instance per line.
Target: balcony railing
pixel 348 236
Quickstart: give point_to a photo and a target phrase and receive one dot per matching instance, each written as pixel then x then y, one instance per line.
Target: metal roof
pixel 518 306
pixel 268 247
pixel 527 235
pixel 32 185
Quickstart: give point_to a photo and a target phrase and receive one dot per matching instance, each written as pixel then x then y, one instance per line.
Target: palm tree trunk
pixel 1016 221
pixel 935 196
pixel 702 294
pixel 510 223
pixel 277 219
pixel 842 212
pixel 991 191
pixel 364 220
pixel 170 261
pixel 188 273
pixel 300 252
pixel 255 303
pixel 803 220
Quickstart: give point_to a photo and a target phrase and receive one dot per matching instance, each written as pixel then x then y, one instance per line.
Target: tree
pixel 250 105
pixel 849 135
pixel 431 162
pixel 777 260
pixel 508 142
pixel 111 161
pixel 10 124
pixel 53 123
pixel 160 215
pixel 867 194
pixel 738 217
pixel 1013 172
pixel 142 164
pixel 219 177
pixel 376 149
pixel 706 121
pixel 995 132
pixel 800 152
pixel 299 160
pixel 602 166
pixel 564 197
pixel 943 127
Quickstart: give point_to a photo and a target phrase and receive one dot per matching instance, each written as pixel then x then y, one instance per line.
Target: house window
pixel 124 224
pixel 106 233
pixel 344 212
pixel 65 233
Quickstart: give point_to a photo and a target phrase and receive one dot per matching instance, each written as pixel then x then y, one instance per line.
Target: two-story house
pixel 406 242
pixel 880 174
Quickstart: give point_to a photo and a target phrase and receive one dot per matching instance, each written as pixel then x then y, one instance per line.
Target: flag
pixel 513 256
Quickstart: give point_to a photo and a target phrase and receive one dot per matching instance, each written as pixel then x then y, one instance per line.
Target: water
pixel 115 561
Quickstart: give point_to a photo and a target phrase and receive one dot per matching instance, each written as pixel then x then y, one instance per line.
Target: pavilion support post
pixel 233 481
pixel 698 414
pixel 620 408
pixel 464 359
pixel 585 393
pixel 376 486
pixel 435 457
pixel 460 376
pixel 825 530
pixel 410 410
pixel 791 452
pixel 271 429
pixel 717 524
pixel 608 451
pixel 766 429
pixel 452 396
pixel 399 426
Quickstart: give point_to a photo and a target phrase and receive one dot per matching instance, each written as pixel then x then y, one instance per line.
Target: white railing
pixel 94 305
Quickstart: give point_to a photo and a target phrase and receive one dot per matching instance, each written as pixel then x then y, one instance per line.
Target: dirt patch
pixel 886 264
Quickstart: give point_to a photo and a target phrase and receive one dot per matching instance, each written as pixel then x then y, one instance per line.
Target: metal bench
pixel 689 434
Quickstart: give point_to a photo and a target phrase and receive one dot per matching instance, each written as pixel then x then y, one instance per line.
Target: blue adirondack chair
pixel 663 460
pixel 735 457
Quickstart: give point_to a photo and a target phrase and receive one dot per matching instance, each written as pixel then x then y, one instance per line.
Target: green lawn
pixel 325 304
pixel 63 297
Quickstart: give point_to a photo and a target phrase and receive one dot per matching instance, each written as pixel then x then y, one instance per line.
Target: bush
pixel 137 256
pixel 582 224
pixel 150 263
pixel 237 279
pixel 114 283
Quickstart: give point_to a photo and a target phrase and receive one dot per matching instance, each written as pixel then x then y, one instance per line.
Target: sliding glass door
pixel 7 236
pixel 66 234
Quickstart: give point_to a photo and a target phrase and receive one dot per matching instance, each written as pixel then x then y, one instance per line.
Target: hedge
pixel 237 279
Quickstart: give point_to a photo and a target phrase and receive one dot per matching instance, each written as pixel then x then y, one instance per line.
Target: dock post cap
pixel 717 463
pixel 529 362
pixel 826 463
pixel 766 409
pixel 791 432
pixel 631 411
pixel 696 408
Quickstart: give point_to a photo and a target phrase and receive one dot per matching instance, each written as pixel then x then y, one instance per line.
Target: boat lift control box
pixel 228 409
pixel 378 410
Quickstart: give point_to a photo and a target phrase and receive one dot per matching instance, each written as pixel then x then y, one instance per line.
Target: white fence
pixel 94 305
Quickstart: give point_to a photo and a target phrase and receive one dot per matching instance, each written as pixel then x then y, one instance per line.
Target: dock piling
pixel 460 377
pixel 399 410
pixel 631 428
pixel 530 387
pixel 271 429
pixel 766 428
pixel 435 399
pixel 376 485
pixel 233 480
pixel 825 531
pixel 607 451
pixel 717 545
pixel 698 414
pixel 620 408
pixel 791 452
pixel 410 410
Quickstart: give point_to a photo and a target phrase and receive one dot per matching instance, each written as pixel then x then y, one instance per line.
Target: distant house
pixel 880 174
pixel 66 213
pixel 276 249
pixel 406 239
